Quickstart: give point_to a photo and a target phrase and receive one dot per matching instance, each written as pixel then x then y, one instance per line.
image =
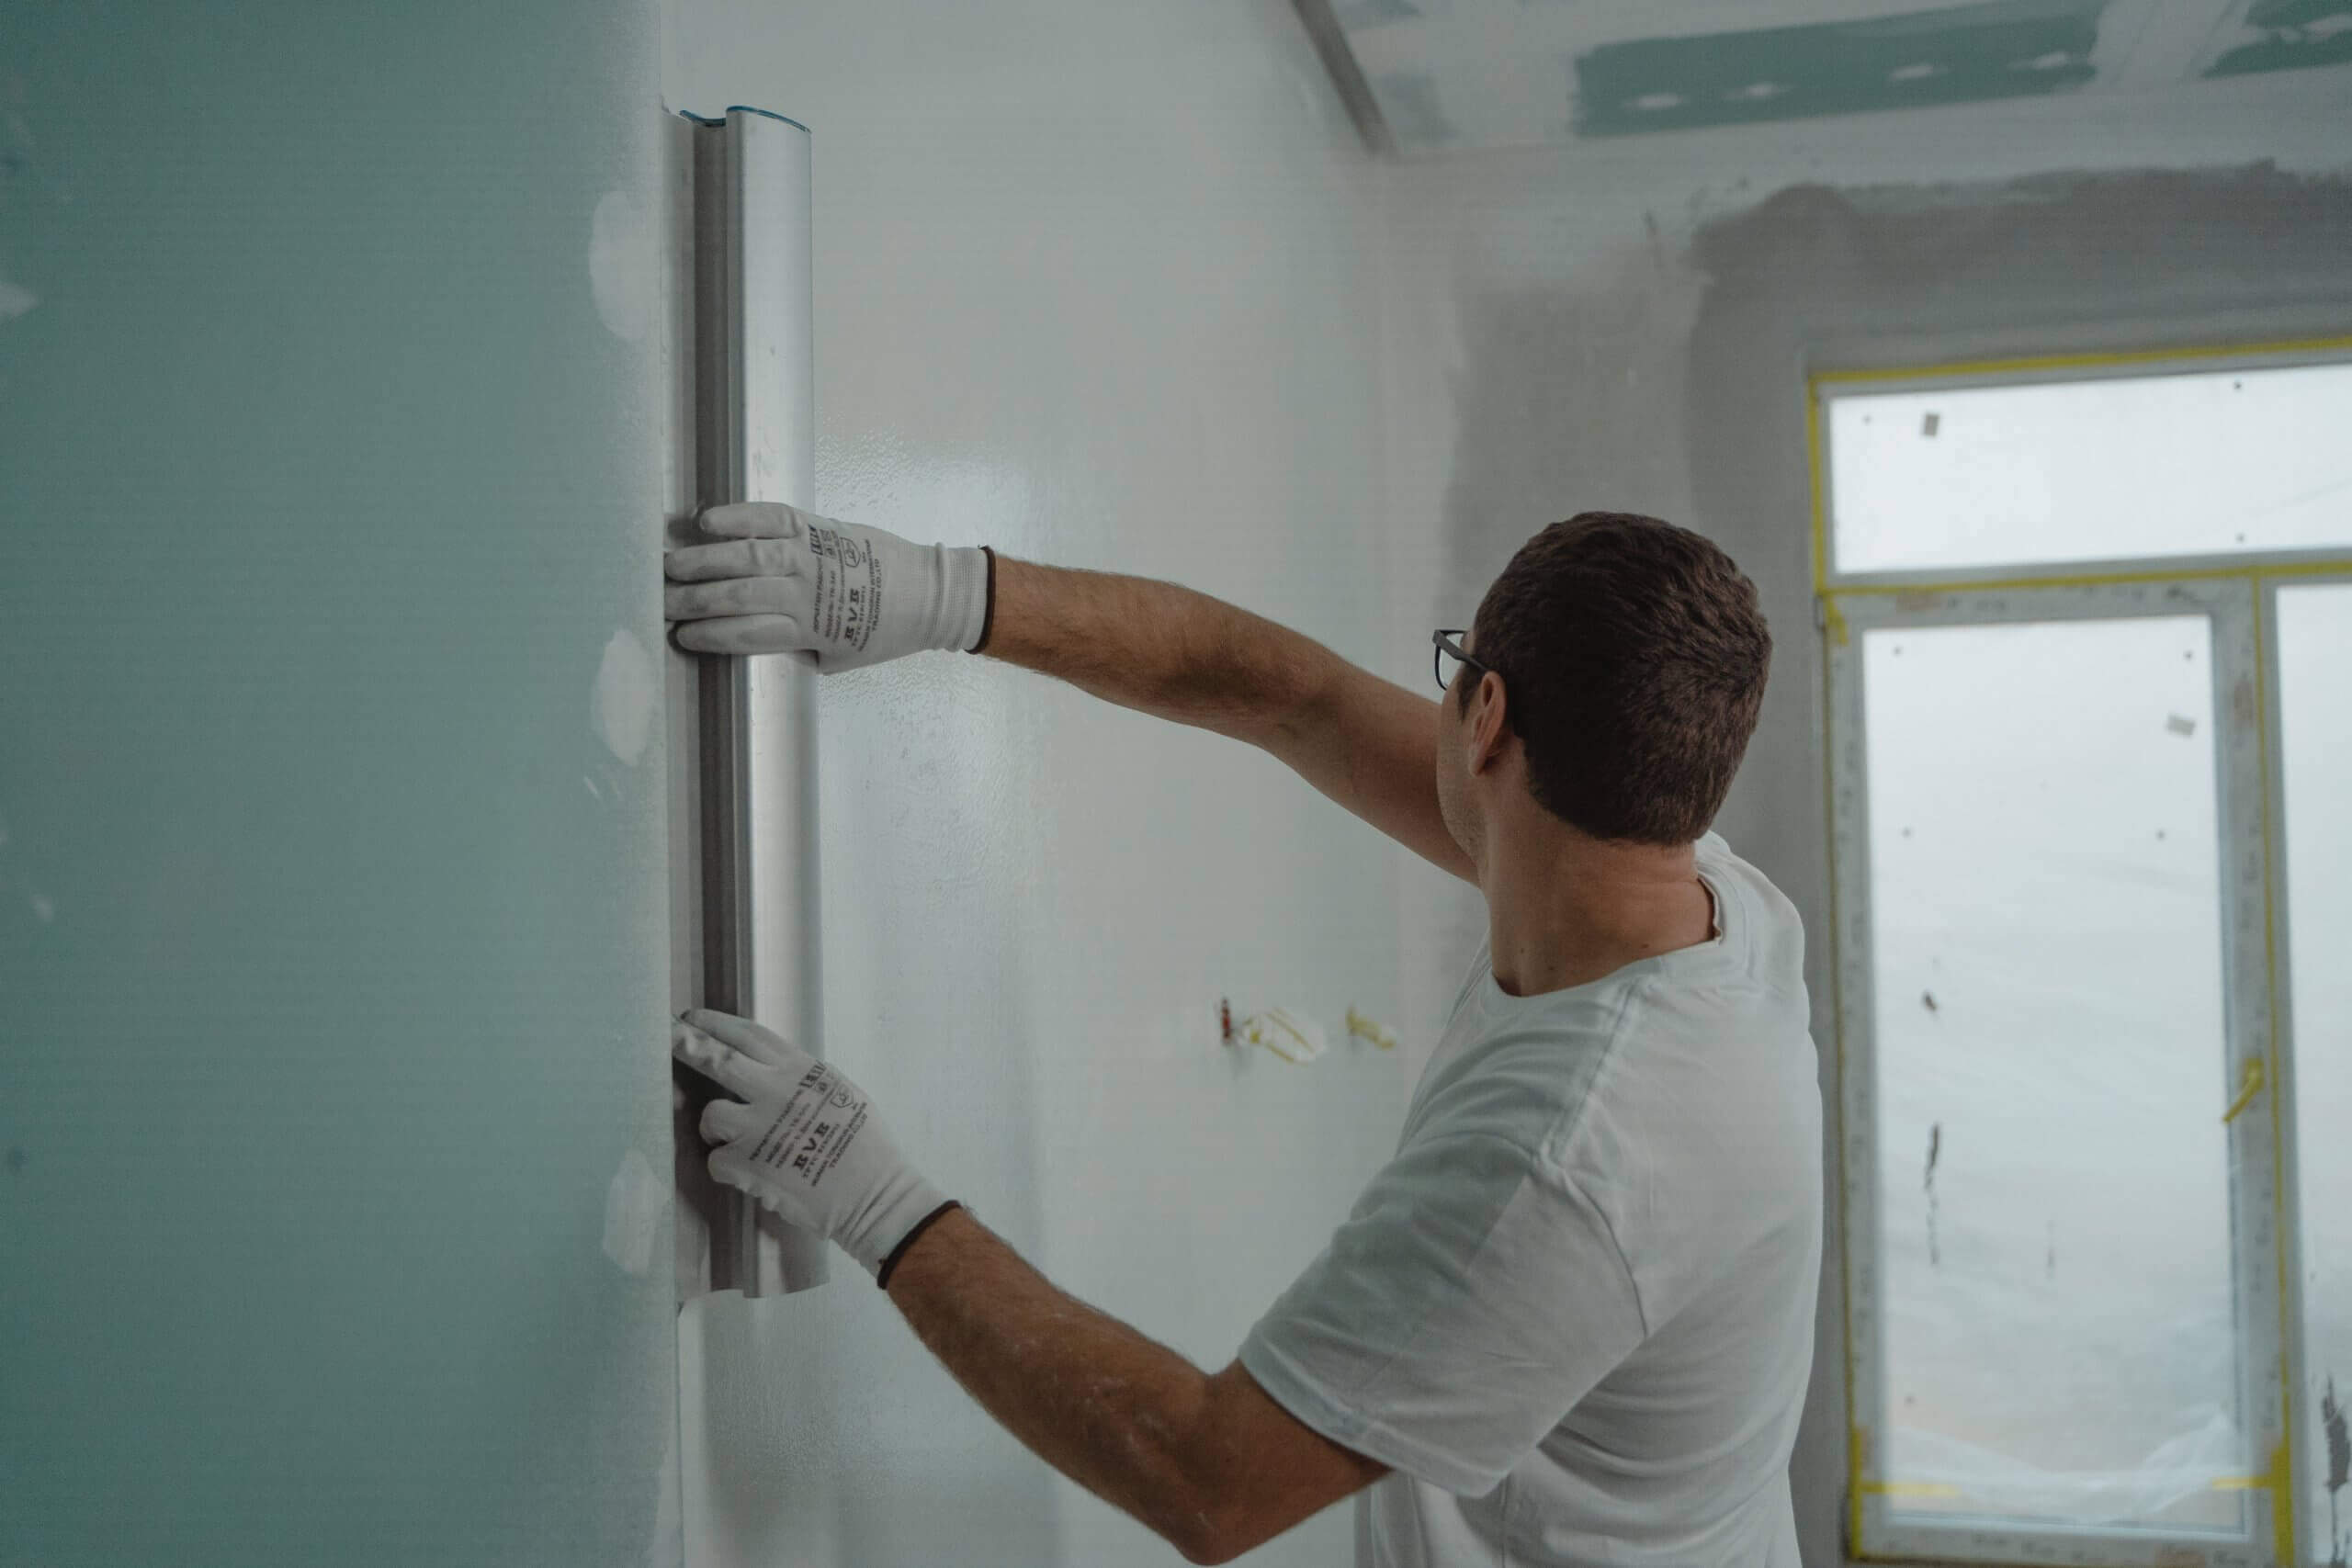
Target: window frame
pixel 2238 592
pixel 2308 1461
pixel 1824 385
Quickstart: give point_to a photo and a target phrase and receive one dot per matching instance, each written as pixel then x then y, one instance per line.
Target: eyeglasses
pixel 1450 656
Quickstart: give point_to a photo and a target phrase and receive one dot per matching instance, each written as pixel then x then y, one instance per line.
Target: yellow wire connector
pixel 1363 1028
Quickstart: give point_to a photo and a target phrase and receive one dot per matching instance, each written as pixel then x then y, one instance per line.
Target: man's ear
pixel 1489 727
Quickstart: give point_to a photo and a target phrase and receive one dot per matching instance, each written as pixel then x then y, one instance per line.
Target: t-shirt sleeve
pixel 1474 1295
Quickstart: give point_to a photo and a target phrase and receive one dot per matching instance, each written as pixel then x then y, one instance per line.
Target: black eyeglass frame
pixel 1444 639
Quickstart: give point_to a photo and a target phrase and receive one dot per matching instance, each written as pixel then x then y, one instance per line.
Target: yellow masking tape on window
pixel 2249 1086
pixel 2281 1485
pixel 2085 361
pixel 1910 1489
pixel 1959 583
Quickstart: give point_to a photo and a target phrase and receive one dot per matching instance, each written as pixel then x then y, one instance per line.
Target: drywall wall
pixel 1098 286
pixel 1116 287
pixel 334 1075
pixel 1631 329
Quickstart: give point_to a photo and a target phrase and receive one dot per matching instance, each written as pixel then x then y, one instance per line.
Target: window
pixel 2090 639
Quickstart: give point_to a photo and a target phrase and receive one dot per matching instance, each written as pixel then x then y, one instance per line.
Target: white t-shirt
pixel 1574 1314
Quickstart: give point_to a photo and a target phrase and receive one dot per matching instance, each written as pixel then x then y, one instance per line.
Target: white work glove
pixel 802 1140
pixel 790 582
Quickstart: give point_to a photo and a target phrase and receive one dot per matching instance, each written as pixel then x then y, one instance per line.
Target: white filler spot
pixel 622 708
pixel 633 1206
pixel 668 1550
pixel 15 300
pixel 1290 1034
pixel 43 909
pixel 620 265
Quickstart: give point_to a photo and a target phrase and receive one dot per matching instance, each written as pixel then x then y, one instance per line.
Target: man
pixel 1571 1321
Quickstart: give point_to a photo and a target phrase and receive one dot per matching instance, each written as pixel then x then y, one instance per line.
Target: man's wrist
pixel 988 615
pixel 907 1242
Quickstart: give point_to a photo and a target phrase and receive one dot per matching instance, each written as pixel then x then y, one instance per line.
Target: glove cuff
pixel 882 1276
pixel 889 1219
pixel 964 597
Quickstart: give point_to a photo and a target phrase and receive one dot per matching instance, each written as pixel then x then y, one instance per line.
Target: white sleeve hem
pixel 1297 1392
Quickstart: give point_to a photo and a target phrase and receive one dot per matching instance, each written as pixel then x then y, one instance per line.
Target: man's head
pixel 1628 659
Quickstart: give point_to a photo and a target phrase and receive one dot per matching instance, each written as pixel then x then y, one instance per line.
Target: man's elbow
pixel 1209 1542
pixel 1204 1532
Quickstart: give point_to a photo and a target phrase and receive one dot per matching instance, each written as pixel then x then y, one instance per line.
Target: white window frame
pixel 2237 592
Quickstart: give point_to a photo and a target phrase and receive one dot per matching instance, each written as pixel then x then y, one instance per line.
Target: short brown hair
pixel 1633 654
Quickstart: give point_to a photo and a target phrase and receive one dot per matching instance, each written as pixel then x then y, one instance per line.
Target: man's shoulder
pixel 1774 935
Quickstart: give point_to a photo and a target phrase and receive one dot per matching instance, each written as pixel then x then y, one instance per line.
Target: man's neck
pixel 1564 909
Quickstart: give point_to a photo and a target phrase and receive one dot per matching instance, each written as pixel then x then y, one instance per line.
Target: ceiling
pixel 1425 76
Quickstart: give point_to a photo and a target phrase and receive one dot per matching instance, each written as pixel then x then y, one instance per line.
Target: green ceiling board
pixel 2295 13
pixel 2005 49
pixel 2290 42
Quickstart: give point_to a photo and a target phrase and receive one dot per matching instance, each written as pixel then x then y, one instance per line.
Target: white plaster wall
pixel 1114 286
pixel 1098 285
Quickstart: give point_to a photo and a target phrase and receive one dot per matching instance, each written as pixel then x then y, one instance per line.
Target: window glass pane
pixel 2054 1186
pixel 2315 717
pixel 2205 464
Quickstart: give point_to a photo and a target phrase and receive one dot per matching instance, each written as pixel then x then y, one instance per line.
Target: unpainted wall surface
pixel 1114 287
pixel 1635 333
pixel 333 1079
pixel 1097 286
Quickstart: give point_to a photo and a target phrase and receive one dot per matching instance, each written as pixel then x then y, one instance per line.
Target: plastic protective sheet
pixel 2053 1190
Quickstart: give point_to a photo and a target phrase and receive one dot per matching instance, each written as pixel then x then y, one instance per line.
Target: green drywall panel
pixel 2005 48
pixel 334 1091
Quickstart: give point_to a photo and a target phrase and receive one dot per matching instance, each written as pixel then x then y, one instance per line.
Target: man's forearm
pixel 1156 647
pixel 1107 1407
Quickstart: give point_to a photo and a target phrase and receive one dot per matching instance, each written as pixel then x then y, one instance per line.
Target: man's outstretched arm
pixel 1210 1463
pixel 778 579
pixel 1180 655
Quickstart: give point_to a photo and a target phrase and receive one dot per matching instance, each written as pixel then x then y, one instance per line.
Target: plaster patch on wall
pixel 633 1206
pixel 15 300
pixel 622 708
pixel 1408 100
pixel 620 265
pixel 1292 1035
pixel 43 910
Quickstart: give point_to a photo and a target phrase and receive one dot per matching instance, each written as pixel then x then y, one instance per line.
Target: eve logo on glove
pixel 849 587
pixel 814 1128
